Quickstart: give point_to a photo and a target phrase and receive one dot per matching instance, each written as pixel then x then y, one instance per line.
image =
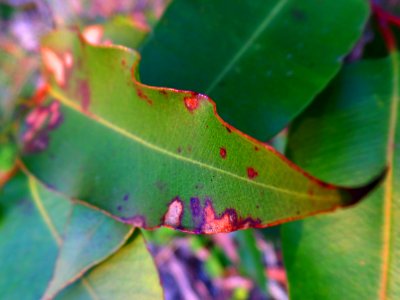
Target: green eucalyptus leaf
pixel 89 238
pixel 261 61
pixel 128 274
pixel 156 156
pixel 29 228
pixel 347 136
pixel 34 242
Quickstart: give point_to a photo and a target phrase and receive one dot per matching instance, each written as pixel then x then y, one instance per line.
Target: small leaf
pixel 129 273
pixel 347 136
pixel 261 61
pixel 156 156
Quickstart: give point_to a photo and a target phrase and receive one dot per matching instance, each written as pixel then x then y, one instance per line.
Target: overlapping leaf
pixel 34 242
pixel 129 273
pixel 261 61
pixel 157 156
pixel 347 137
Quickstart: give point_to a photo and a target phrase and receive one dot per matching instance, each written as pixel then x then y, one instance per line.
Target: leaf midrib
pixel 242 50
pixel 76 107
pixel 43 212
pixel 388 187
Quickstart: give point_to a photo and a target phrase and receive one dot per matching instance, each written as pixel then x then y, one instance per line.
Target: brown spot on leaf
pixel 251 173
pixel 84 95
pixel 143 96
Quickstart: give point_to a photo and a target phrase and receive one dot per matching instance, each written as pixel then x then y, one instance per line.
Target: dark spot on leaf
pixel 179 150
pixel 126 197
pixel 123 62
pixel 222 152
pixel 298 15
pixel 199 186
pixel 228 129
pixel 161 186
pixel 256 148
pixel 251 173
pixel 119 207
pixel 163 92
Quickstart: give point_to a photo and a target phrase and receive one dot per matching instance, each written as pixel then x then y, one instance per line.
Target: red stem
pixel 384 19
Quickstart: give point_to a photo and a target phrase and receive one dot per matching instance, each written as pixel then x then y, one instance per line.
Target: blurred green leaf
pixel 129 273
pixel 261 61
pixel 347 136
pixel 34 242
pixel 251 258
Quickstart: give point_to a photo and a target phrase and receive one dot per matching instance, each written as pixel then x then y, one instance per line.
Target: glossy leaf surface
pixel 347 136
pixel 261 61
pixel 32 230
pixel 128 273
pixel 153 157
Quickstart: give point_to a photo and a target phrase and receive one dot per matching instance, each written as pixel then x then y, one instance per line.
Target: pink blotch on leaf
pixel 93 34
pixel 174 214
pixel 54 65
